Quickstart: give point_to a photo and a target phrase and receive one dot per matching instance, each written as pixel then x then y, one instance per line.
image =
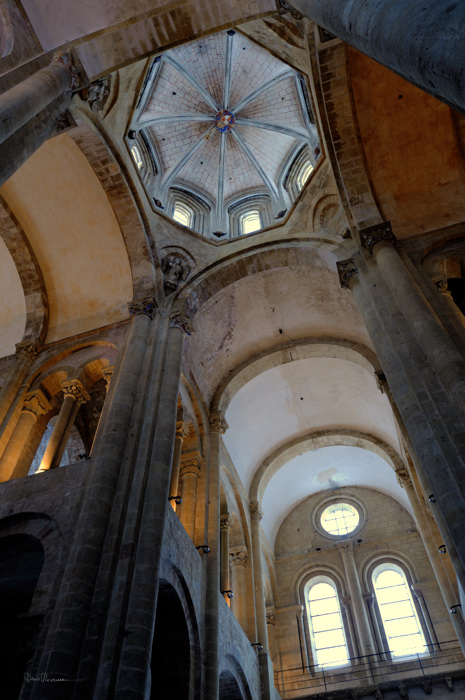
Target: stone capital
pixel 225 523
pixel 372 235
pixel 443 287
pixel 238 557
pixel 271 618
pixel 143 307
pixel 176 269
pixel 75 388
pixel 403 478
pixel 28 348
pixel 182 431
pixel 36 403
pixel 346 269
pixel 182 321
pixel 346 548
pixel 218 423
pixel 107 374
pixel 256 512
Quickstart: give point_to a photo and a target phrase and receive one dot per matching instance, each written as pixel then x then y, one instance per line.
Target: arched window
pixel 137 156
pixel 299 172
pixel 249 222
pixel 327 633
pixel 183 214
pixel 304 174
pixel 397 611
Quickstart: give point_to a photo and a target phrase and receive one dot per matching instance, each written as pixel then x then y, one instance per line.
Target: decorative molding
pixel 190 466
pixel 28 348
pixel 346 269
pixel 144 307
pixel 36 403
pixel 346 548
pixel 256 512
pixel 403 478
pixel 75 388
pixel 372 235
pixel 218 423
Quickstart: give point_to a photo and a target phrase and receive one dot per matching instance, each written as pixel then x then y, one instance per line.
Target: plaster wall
pixel 75 236
pixel 13 313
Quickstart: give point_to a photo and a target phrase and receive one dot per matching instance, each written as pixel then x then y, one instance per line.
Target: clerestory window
pixel 339 519
pixel 327 633
pixel 183 214
pixel 249 222
pixel 398 612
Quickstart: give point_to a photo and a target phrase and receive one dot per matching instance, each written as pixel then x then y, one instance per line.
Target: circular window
pixel 339 519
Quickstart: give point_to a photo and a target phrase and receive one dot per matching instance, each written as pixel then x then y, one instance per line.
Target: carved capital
pixel 182 431
pixel 28 348
pixel 285 7
pixel 444 288
pixel 190 466
pixel 182 321
pixel 225 523
pixel 346 269
pixel 75 388
pixel 175 270
pixel 238 557
pixel 372 235
pixel 218 423
pixel 66 60
pixel 107 374
pixel 346 548
pixel 36 403
pixel 256 512
pixel 97 93
pixel 144 307
pixel 271 618
pixel 403 478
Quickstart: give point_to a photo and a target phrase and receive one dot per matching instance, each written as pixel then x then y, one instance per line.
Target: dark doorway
pixel 229 689
pixel 171 653
pixel 21 561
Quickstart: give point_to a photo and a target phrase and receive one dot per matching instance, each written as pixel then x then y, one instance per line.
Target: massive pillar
pixel 218 427
pixel 35 405
pixel 65 635
pixel 74 395
pixel 422 42
pixel 23 101
pixel 434 427
pixel 362 622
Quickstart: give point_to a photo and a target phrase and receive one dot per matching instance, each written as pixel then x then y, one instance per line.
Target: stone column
pixel 181 433
pixel 74 595
pixel 362 623
pixel 73 395
pixel 35 405
pixel 218 427
pixel 225 584
pixel 238 563
pixel 271 632
pixel 440 465
pixel 370 601
pixel 190 470
pixel 401 36
pixel 345 601
pixel 133 676
pixel 107 374
pixel 256 515
pixel 424 612
pixel 23 101
pixel 433 554
pixel 445 358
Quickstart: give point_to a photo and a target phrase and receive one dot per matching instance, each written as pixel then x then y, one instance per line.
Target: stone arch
pixel 315 440
pixel 281 354
pixel 325 210
pixel 29 273
pixel 176 638
pixel 128 214
pixel 232 680
pixel 292 254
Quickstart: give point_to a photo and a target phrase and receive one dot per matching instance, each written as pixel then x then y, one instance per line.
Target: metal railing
pixel 372 670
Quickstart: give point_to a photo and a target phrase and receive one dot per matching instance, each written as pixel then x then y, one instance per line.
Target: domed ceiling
pixel 222 120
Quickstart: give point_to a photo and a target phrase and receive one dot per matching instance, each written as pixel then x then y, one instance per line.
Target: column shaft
pixel 356 596
pixel 57 433
pixel 239 588
pixel 225 526
pixel 23 101
pixel 64 438
pixel 404 36
pixel 260 608
pixel 174 484
pixel 189 477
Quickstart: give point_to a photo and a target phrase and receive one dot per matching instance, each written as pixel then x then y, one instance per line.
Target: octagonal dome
pixel 223 135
